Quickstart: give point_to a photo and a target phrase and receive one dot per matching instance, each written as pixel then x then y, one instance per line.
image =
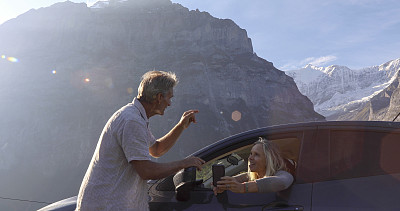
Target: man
pixel 121 165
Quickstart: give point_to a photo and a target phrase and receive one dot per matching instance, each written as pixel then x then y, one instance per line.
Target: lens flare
pixel 12 59
pixel 54 72
pixel 87 80
pixel 236 116
pixel 3 56
pixel 129 90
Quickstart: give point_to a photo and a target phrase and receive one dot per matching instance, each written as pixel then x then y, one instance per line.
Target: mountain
pixel 67 68
pixel 340 93
pixel 384 106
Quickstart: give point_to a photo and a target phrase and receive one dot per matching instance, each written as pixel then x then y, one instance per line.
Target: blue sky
pixel 294 33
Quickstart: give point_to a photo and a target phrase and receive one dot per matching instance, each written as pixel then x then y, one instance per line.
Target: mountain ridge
pixel 337 91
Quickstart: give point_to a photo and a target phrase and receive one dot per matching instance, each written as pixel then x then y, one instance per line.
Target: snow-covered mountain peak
pixel 390 66
pixel 313 67
pixel 336 69
pixel 100 4
pixel 336 89
pixel 310 72
pixel 310 66
pixel 307 74
pixel 105 3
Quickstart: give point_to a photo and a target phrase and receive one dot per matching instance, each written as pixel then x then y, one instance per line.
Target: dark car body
pixel 336 166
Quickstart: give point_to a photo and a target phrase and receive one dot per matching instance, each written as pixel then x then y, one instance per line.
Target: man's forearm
pixel 165 143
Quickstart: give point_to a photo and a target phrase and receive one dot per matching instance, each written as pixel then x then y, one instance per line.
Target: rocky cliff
pixel 66 68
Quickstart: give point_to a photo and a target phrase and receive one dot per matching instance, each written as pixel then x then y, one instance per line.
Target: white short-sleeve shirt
pixel 111 182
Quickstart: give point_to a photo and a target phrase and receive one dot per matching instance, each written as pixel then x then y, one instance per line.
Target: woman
pixel 266 172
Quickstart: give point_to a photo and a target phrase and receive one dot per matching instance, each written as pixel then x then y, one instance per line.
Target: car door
pixel 201 196
pixel 363 171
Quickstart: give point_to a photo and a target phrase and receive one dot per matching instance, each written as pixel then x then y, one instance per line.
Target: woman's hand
pixel 216 190
pixel 228 183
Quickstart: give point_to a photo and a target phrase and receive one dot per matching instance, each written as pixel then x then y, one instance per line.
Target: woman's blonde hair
pixel 274 161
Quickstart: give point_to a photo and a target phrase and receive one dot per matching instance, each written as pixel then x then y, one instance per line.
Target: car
pixel 337 165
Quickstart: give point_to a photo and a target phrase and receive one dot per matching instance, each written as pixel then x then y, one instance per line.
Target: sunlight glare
pixel 12 59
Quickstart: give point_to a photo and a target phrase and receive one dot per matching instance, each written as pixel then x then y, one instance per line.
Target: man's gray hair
pixel 154 82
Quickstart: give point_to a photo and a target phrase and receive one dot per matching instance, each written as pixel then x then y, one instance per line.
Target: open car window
pixel 289 148
pixel 235 162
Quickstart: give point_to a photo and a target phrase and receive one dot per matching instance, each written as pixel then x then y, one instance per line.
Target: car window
pixel 363 153
pixel 289 148
pixel 231 168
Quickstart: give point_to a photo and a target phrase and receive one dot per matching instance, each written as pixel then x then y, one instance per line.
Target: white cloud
pixel 320 61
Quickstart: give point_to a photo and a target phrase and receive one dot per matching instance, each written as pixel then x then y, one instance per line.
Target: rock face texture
pixel 385 106
pixel 340 93
pixel 65 69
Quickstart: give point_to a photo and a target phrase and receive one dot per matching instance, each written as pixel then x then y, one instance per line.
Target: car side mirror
pixel 232 160
pixel 185 181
